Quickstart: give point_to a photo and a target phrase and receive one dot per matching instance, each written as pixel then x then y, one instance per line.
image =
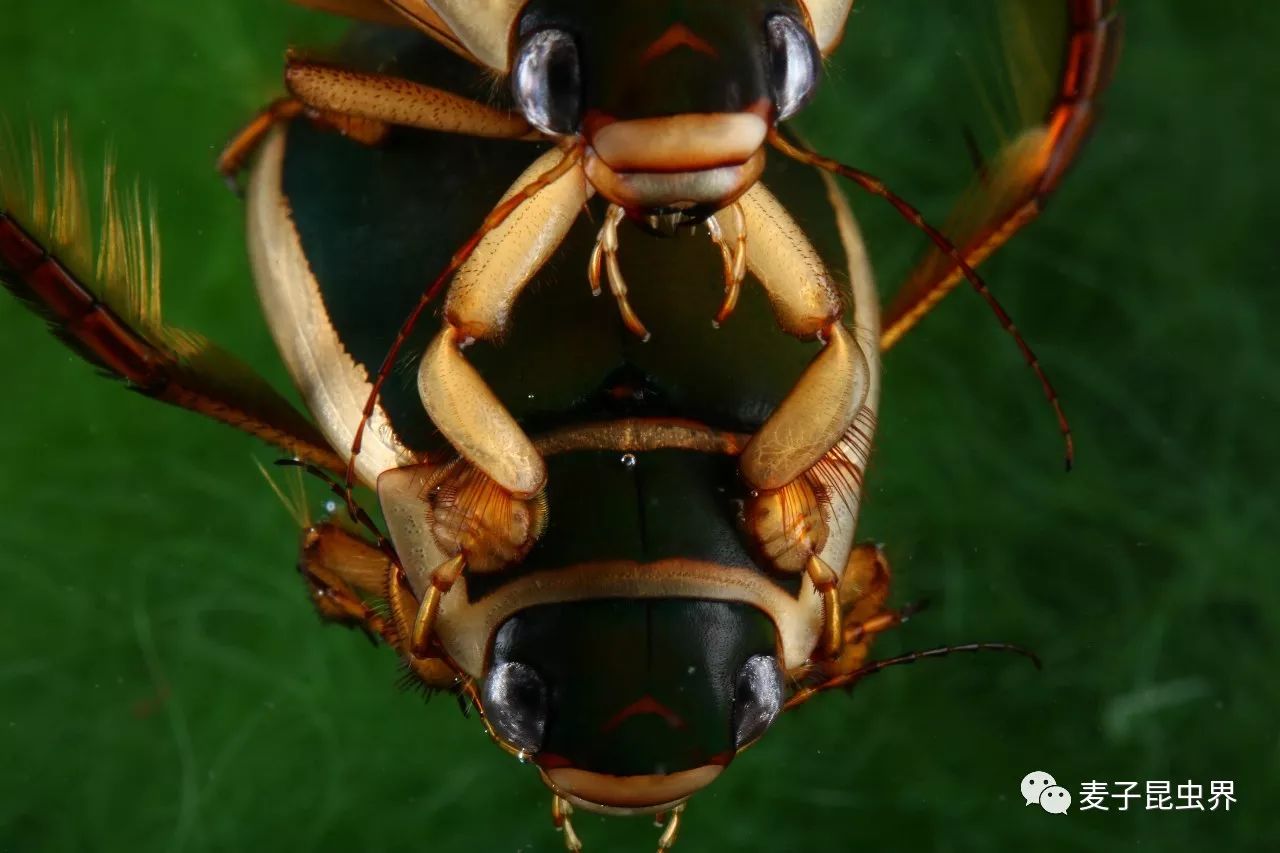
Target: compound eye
pixel 757 698
pixel 547 82
pixel 515 704
pixel 794 64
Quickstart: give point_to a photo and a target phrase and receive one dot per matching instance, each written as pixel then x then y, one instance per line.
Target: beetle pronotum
pixel 661 498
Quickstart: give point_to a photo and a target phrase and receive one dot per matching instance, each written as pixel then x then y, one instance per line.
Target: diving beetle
pixel 630 557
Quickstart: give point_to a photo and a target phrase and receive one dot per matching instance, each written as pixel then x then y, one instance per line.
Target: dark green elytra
pixel 377 225
pixel 713 59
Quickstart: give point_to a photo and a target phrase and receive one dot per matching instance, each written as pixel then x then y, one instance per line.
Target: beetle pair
pixel 630 557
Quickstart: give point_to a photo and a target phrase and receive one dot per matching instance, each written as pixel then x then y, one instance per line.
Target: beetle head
pixel 672 99
pixel 632 704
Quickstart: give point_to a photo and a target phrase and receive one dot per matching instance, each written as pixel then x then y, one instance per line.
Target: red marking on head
pixel 551 761
pixel 677 35
pixel 645 705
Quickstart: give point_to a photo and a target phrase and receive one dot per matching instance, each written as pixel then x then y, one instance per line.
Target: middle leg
pixel 355 583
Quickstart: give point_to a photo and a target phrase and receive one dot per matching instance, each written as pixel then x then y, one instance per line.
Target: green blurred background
pixel 165 685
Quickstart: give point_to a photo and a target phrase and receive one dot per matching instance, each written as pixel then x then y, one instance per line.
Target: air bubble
pixel 629 460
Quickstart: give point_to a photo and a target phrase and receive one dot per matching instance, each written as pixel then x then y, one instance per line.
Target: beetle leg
pixel 343 570
pixel 112 318
pixel 800 290
pixel 395 101
pixel 668 838
pixel 788 525
pixel 486 286
pixel 835 672
pixel 474 421
pixel 433 671
pixel 241 147
pixel 442 580
pixel 345 573
pixel 863 590
pixel 479 306
pixel 605 254
pixel 948 249
pixel 864 586
pixel 819 411
pixel 827 583
pixel 236 153
pixel 734 258
pixel 561 812
pixel 814 416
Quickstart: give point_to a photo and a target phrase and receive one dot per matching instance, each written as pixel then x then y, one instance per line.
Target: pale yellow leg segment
pixel 333 89
pixel 733 253
pixel 863 588
pixel 668 838
pixel 442 580
pixel 474 421
pixel 445 519
pixel 816 413
pixel 485 288
pixel 827 583
pixel 813 417
pixel 479 305
pixel 605 255
pixel 804 298
pixel 561 812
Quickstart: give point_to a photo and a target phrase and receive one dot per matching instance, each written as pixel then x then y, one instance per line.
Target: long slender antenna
pixel 849 678
pixel 875 186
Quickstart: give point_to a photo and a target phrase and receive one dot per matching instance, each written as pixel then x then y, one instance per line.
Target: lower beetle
pixel 629 557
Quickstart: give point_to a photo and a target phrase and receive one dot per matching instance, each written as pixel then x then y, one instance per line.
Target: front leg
pixel 344 573
pixel 355 583
pixel 822 407
pixel 499 481
pixel 479 307
pixel 863 589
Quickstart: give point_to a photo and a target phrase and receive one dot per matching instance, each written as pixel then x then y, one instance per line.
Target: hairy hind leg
pixel 110 313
